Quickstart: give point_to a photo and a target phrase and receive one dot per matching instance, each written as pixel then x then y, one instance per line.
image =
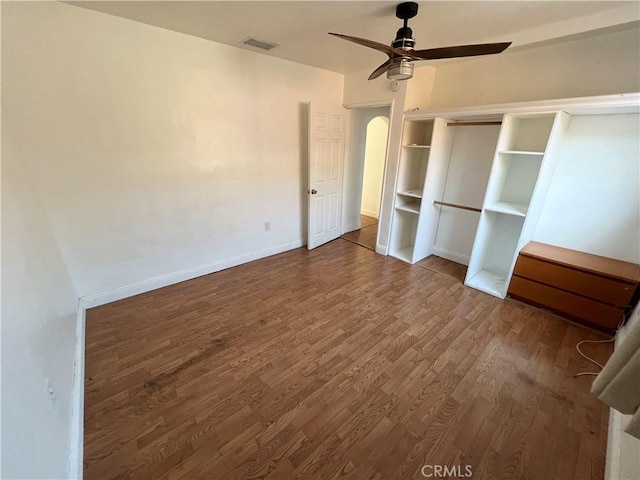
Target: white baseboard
pixel 350 227
pixel 77 399
pixel 382 249
pixel 449 255
pixel 102 298
pixel 369 213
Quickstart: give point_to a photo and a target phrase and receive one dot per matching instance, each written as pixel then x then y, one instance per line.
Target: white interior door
pixel 327 127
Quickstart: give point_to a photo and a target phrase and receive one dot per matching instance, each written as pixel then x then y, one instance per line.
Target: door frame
pixel 373 104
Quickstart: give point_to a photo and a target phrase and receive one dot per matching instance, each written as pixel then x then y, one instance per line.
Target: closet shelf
pixel 409 207
pixel 489 282
pixel 415 145
pixel 405 254
pixel 521 152
pixel 509 208
pixel 413 193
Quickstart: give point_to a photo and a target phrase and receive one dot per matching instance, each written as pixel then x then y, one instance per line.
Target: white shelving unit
pixel 412 172
pixel 521 152
pixel 510 208
pixel 413 193
pixel 520 174
pixel 411 207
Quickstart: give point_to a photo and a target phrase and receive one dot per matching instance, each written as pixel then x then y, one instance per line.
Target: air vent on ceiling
pixel 261 44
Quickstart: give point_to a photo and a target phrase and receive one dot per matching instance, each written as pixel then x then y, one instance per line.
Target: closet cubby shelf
pixel 521 152
pixel 408 223
pixel 404 254
pixel 509 208
pixel 413 193
pixel 409 207
pixel 488 282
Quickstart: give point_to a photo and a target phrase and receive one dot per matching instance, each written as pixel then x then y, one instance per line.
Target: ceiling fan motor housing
pixel 404 39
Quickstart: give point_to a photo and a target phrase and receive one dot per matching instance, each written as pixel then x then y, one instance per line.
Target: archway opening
pixel 374 158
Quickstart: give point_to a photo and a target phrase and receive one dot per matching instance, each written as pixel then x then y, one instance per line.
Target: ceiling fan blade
pixel 380 70
pixel 459 51
pixel 390 51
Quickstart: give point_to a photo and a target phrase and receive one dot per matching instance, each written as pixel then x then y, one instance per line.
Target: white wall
pixel 419 87
pixel 358 91
pixel 157 152
pixel 375 153
pixel 593 202
pixel 470 162
pixel 130 154
pixel 38 324
pixel 601 65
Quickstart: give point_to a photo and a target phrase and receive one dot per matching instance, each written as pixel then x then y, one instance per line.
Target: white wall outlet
pixel 267 226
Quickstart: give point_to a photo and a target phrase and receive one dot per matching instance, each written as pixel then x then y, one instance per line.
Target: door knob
pixel 313 191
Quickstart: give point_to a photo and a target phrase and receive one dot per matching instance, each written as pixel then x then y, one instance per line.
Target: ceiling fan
pixel 402 55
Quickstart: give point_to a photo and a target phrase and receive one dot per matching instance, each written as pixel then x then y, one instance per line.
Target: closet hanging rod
pixel 455 205
pixel 468 124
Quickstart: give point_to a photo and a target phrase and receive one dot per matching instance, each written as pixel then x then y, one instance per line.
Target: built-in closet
pixel 443 173
pixel 471 185
pixel 517 174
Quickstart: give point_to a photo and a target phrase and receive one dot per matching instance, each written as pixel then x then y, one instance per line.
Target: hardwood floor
pixel 336 363
pixel 446 267
pixel 367 235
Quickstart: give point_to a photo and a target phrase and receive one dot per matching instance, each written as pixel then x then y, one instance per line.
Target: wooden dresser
pixel 586 288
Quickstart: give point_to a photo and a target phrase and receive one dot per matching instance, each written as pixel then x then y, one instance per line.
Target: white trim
pixel 77 399
pixel 372 104
pixel 449 255
pixel 382 249
pixel 574 106
pixel 144 286
pixel 369 213
pixel 346 160
pixel 350 227
pixel 385 175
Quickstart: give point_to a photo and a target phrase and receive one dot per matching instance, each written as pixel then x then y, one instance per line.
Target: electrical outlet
pixel 51 394
pixel 267 226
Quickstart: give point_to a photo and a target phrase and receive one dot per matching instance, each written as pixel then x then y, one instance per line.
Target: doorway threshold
pixel 367 235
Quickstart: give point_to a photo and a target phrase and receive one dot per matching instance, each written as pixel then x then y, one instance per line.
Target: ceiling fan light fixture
pixel 402 55
pixel 400 69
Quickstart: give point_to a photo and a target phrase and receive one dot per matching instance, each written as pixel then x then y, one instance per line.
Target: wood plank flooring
pixel 446 267
pixel 336 364
pixel 367 235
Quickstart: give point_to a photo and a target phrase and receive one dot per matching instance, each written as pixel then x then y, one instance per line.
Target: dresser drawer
pixel 575 306
pixel 607 290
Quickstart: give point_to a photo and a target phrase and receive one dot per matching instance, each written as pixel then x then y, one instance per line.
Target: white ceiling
pixel 301 27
